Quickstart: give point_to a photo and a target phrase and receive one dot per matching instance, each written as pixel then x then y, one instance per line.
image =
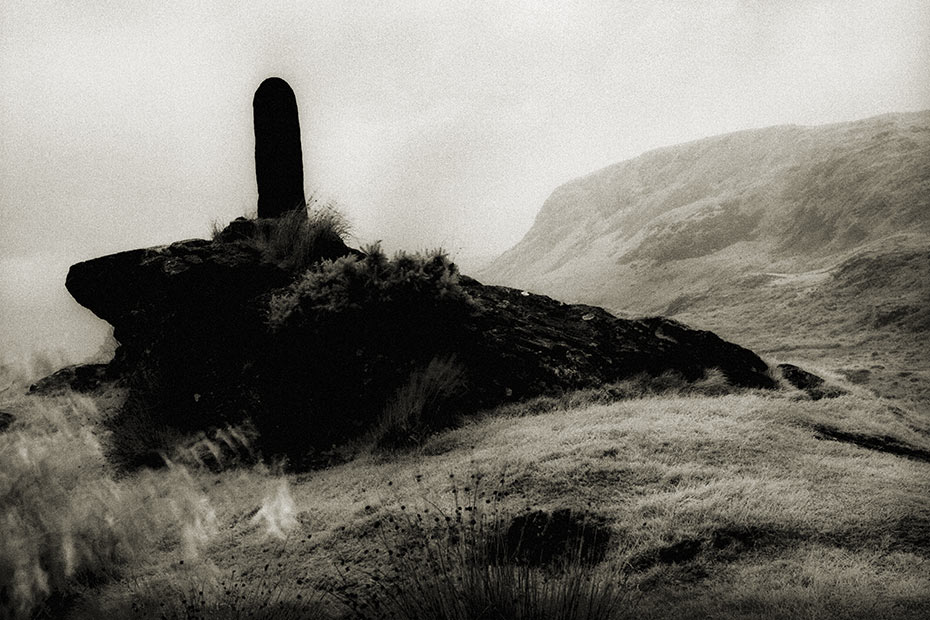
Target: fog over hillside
pixel 690 225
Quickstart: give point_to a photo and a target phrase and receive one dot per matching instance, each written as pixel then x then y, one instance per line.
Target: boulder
pixel 531 344
pixel 184 322
pixel 815 386
pixel 197 350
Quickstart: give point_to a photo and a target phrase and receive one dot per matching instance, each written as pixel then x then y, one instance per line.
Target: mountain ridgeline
pixel 733 219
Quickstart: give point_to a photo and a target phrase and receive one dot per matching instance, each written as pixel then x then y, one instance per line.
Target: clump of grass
pixel 667 384
pixel 217 449
pixel 456 564
pixel 66 519
pixel 299 238
pixel 416 407
pixel 296 239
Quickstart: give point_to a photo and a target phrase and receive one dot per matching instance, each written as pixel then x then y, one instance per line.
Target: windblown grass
pixel 416 407
pixel 300 237
pixel 67 521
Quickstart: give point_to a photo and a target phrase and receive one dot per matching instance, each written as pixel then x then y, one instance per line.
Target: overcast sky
pixel 127 123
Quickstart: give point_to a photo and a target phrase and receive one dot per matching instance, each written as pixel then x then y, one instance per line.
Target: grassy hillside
pixel 742 505
pixel 784 198
pixel 805 241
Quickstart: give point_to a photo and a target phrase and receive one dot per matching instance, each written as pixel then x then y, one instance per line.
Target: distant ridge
pixel 697 225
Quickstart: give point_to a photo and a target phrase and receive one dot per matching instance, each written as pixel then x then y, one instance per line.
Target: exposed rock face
pixel 532 344
pixel 815 386
pixel 195 344
pixel 183 318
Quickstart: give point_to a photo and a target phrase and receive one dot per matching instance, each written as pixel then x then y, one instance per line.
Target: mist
pixel 129 124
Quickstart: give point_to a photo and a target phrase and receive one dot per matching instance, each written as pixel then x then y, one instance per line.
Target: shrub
pixel 347 335
pixel 371 284
pixel 67 520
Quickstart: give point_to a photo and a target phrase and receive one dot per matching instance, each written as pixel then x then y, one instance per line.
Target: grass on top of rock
pixel 371 283
pixel 298 238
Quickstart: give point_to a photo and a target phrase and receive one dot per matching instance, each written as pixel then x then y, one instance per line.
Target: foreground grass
pixel 68 522
pixel 734 506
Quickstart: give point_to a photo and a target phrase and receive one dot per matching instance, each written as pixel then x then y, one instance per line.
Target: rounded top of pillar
pixel 274 88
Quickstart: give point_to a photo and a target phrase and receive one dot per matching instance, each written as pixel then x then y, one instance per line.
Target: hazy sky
pixel 126 123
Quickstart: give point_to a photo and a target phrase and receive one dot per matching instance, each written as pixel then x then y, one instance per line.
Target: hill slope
pixel 637 235
pixel 776 238
pixel 749 505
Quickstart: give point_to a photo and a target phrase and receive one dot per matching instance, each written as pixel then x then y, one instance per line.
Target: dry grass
pixel 299 237
pixel 416 407
pixel 457 561
pixel 722 506
pixel 67 521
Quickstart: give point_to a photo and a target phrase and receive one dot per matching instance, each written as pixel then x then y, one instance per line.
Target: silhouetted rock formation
pixel 278 157
pixel 196 348
pixel 535 345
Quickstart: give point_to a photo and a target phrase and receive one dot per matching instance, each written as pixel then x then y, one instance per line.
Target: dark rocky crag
pixel 196 349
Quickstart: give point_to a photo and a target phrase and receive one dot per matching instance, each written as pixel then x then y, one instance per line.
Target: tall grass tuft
pixel 417 406
pixel 451 564
pixel 299 237
pixel 67 521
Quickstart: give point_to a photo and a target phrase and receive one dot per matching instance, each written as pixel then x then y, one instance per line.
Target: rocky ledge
pixel 197 347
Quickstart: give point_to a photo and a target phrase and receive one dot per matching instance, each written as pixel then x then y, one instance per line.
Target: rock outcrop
pixel 197 350
pixel 815 386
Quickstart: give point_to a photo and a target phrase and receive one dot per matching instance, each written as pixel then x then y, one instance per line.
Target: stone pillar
pixel 279 166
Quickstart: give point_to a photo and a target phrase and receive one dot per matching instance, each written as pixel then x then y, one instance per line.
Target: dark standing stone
pixel 278 158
